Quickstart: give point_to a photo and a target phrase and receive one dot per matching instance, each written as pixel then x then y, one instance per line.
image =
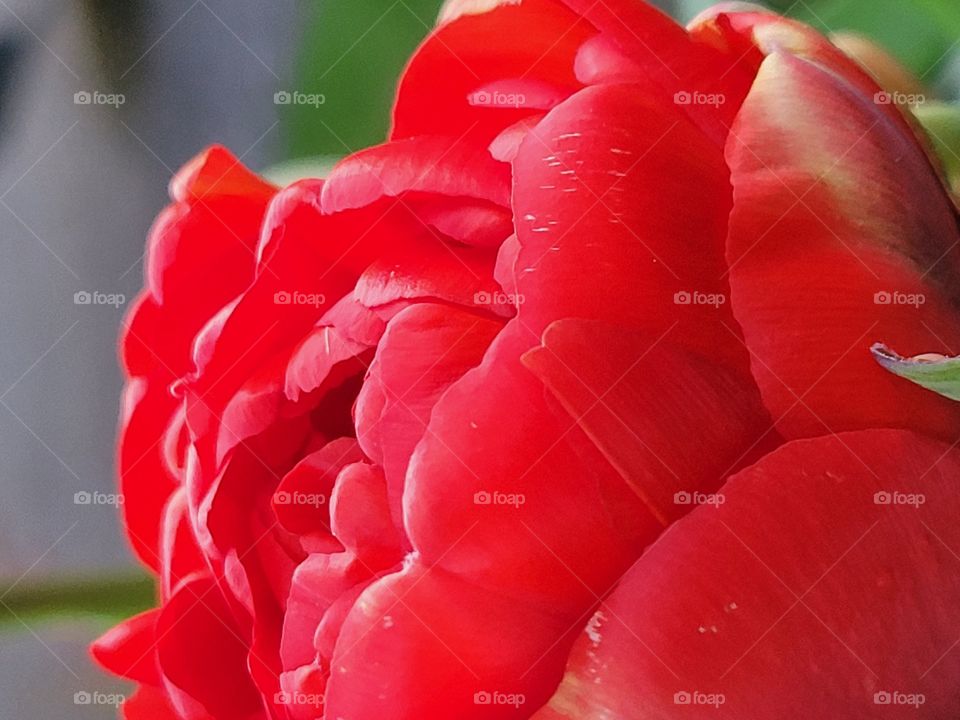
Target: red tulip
pixel 560 403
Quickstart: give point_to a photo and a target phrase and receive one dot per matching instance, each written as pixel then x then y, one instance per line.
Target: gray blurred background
pixel 79 186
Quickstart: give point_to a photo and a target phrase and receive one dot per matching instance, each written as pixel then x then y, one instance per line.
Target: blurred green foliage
pixel 108 598
pixel 922 33
pixel 352 53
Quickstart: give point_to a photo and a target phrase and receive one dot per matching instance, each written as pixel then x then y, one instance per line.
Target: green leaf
pixel 938 373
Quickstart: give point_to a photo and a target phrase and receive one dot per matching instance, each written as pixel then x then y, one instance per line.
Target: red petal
pixel 437 164
pixel 603 190
pixel 216 172
pixel 424 644
pixel 201 653
pixel 839 215
pixel 149 704
pixel 425 350
pixel 636 395
pixel 536 40
pixel 128 649
pixel 802 590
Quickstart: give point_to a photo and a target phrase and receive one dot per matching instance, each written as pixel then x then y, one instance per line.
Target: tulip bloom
pixel 559 403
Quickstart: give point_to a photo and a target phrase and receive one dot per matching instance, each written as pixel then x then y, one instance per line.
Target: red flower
pixel 395 442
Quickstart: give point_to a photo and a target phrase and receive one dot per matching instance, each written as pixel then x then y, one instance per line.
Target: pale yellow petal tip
pixel 884 67
pixel 453 9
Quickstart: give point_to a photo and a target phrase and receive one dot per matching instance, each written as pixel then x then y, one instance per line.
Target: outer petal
pixel 604 189
pixel 535 40
pixel 838 238
pixel 827 580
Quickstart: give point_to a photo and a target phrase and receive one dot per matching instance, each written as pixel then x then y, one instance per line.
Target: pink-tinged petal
pixel 636 395
pixel 827 579
pixel 536 40
pixel 437 164
pixel 424 644
pixel 425 349
pixel 360 516
pixel 603 189
pixel 425 267
pixel 672 61
pixel 302 499
pixel 600 60
pixel 202 656
pixel 838 239
pixel 180 554
pixel 476 223
pixel 320 359
pixel 505 146
pixel 145 481
pixel 318 583
pixel 128 649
